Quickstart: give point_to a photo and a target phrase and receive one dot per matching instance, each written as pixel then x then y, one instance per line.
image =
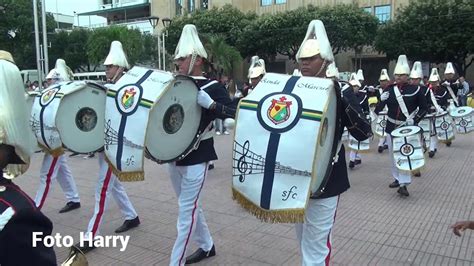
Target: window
pixel 367 9
pixel 280 2
pixel 266 2
pixel 190 5
pixel 204 4
pixel 179 7
pixel 383 13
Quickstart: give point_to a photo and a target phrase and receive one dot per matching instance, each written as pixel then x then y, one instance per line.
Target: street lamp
pixel 166 22
pixel 154 23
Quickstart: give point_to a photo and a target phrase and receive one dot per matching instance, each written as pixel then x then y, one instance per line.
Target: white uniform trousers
pixel 314 235
pixel 108 184
pixel 402 177
pixel 353 155
pixel 187 183
pixel 433 143
pixel 51 168
pixel 382 141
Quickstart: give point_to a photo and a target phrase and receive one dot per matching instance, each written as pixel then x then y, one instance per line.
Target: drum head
pixel 461 111
pixel 174 122
pixel 406 131
pixel 80 117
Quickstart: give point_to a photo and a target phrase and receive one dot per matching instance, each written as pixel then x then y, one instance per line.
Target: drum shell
pixel 408 153
pixel 380 124
pixel 444 127
pixel 168 141
pixel 463 118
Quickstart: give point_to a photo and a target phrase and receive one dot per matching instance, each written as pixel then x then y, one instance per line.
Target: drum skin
pixel 174 126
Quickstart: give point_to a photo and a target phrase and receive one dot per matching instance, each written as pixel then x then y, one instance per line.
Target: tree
pixel 98 43
pixel 431 30
pixel 17 18
pixel 70 47
pixel 227 22
pixel 223 57
pixel 347 26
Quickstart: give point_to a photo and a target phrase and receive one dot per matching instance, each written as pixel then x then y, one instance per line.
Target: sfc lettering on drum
pixel 289 193
pixel 311 86
pixel 268 81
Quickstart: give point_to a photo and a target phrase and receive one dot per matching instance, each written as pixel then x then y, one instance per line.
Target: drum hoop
pixel 337 137
pixel 197 138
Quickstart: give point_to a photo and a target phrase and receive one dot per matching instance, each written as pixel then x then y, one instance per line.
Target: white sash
pixel 455 99
pixel 402 104
pixel 433 99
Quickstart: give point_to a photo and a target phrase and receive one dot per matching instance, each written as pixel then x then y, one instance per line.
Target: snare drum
pixel 426 125
pixel 408 148
pixel 444 127
pixel 380 124
pixel 463 119
pixel 70 114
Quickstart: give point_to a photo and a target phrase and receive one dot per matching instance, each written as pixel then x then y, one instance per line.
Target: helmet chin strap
pixel 191 64
pixel 323 66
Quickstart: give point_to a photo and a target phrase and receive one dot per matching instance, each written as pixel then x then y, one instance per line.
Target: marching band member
pixel 440 101
pixel 314 235
pixel 384 81
pixel 354 156
pixel 188 175
pixel 416 76
pixel 19 216
pixel 451 83
pixel 256 72
pixel 108 184
pixel 402 101
pixel 56 166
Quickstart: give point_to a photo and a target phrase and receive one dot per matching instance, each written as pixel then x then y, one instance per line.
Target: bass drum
pixel 174 128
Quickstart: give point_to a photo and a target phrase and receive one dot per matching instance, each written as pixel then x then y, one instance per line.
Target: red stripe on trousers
pixel 48 181
pixel 328 257
pixel 192 220
pixel 103 194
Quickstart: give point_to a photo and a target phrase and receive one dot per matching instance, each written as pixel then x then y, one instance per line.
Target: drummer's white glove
pixel 384 96
pixel 410 122
pixel 204 100
pixel 439 109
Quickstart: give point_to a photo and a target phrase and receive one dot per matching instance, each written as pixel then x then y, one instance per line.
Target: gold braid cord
pixel 126 176
pixel 269 216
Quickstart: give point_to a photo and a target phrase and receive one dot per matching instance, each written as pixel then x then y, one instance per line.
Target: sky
pixel 68 7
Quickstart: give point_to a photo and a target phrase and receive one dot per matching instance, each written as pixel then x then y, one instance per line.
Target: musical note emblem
pixel 247 162
pixel 112 137
pixel 242 165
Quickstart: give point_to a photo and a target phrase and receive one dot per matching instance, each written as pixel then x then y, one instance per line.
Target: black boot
pixel 385 146
pixel 380 149
pixel 200 255
pixel 358 161
pixel 417 174
pixel 351 164
pixel 431 154
pixel 127 225
pixel 394 184
pixel 70 206
pixel 86 248
pixel 448 143
pixel 403 191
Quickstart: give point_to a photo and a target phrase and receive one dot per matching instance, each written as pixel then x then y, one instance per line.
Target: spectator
pixel 463 91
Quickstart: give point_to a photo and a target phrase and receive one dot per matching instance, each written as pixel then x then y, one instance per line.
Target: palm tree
pixel 221 56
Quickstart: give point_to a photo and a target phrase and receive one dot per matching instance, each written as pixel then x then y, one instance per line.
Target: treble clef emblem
pixel 242 165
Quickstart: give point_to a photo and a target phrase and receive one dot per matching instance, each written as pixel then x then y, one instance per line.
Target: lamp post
pixel 154 23
pixel 166 22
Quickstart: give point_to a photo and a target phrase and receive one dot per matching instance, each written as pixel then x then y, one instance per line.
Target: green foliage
pixel 431 30
pixel 18 16
pixel 98 43
pixel 222 56
pixel 347 27
pixel 227 21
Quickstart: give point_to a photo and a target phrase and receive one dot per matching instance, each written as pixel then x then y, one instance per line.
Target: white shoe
pixel 218 133
pixel 226 132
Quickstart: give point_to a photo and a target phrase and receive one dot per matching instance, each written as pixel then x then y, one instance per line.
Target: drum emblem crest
pixel 279 111
pixel 128 98
pixel 407 149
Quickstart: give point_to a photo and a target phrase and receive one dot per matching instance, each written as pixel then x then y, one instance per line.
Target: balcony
pixel 116 11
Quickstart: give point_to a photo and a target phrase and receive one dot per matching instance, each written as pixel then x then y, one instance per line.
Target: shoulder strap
pixel 455 99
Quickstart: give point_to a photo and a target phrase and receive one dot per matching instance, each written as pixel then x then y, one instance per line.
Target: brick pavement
pixel 374 225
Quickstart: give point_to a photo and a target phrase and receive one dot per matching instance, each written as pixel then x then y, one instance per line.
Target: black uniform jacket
pixel 225 108
pixel 412 96
pixel 352 117
pixel 16 238
pixel 442 96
